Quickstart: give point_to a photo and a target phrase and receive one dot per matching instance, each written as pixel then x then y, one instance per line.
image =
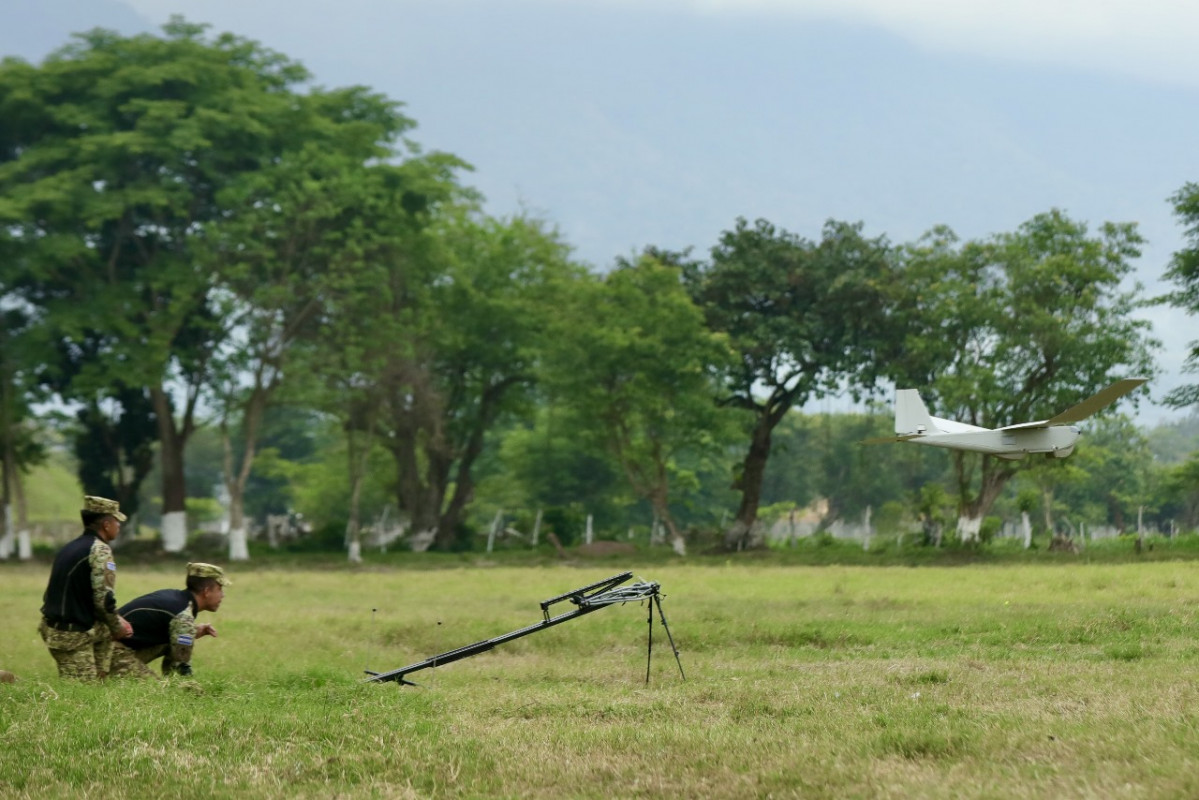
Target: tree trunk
pixel 172 441
pixel 464 483
pixel 741 535
pixel 24 540
pixel 6 538
pixel 971 512
pixel 677 542
pixel 7 478
pixel 414 496
pixel 354 523
pixel 1026 526
pixel 238 547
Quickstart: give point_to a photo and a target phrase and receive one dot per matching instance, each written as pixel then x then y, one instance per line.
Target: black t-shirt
pixel 69 595
pixel 151 615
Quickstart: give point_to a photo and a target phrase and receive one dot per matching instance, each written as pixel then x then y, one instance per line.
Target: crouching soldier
pixel 79 609
pixel 164 624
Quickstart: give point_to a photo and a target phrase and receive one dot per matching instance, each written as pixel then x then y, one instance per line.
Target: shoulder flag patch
pixel 184 640
pixel 111 565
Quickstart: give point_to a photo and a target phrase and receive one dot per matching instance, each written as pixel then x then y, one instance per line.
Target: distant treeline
pixel 233 278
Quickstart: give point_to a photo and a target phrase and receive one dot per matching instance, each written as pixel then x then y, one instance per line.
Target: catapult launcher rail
pixel 587 599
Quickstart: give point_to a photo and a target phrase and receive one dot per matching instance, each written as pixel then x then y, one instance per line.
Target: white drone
pixel 1056 436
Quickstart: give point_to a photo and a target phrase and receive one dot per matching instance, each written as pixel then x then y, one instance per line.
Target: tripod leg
pixel 649 650
pixel 662 615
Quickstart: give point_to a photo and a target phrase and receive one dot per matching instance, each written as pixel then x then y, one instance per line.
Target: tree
pixel 1118 469
pixel 114 446
pixel 310 223
pixel 1018 328
pixel 1184 272
pixel 632 357
pixel 551 463
pixel 112 155
pixel 472 307
pixel 1181 486
pixel 803 319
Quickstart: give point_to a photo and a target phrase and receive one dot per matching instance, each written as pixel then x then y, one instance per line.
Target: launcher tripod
pixel 588 598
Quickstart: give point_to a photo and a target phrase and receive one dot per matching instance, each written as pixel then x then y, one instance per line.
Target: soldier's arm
pixel 104 582
pixel 178 658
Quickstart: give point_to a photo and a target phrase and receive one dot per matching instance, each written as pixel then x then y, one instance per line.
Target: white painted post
pixel 589 531
pixel 174 531
pixel 495 526
pixel 238 548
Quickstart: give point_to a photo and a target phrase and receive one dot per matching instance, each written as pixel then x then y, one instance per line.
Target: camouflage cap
pixel 102 505
pixel 198 569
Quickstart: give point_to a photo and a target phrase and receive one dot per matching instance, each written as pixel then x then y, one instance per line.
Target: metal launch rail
pixel 588 598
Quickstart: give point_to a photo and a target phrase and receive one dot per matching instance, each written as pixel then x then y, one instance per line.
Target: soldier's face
pixel 109 529
pixel 210 599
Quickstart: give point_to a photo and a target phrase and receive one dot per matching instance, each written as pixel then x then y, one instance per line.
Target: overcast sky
pixel 636 122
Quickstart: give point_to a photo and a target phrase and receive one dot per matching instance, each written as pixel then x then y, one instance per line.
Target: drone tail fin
pixel 911 415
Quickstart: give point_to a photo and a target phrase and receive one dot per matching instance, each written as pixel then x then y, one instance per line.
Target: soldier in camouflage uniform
pixel 165 624
pixel 79 609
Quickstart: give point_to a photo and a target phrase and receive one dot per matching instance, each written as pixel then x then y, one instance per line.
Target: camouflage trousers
pixel 127 663
pixel 80 655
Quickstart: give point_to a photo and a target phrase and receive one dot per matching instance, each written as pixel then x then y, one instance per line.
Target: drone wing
pixel 1094 403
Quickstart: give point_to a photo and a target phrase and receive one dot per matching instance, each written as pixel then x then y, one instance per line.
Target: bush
pixel 566 522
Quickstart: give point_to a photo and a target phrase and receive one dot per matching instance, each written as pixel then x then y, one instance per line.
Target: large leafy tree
pixel 1017 328
pixel 803 319
pixel 303 246
pixel 472 305
pixel 112 155
pixel 634 361
pixel 374 280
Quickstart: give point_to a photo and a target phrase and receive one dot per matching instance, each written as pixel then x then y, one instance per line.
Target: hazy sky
pixel 635 122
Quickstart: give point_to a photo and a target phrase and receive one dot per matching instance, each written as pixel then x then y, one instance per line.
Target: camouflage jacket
pixel 82 585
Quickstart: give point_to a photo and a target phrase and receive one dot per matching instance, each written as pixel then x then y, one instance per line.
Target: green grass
pixel 991 681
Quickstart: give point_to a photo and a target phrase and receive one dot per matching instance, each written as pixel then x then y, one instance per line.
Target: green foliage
pixel 551 464
pixel 801 318
pixel 1181 484
pixel 203 509
pixel 566 522
pixel 1019 327
pixel 366 338
pixel 631 359
pixel 1184 273
pixel 318 484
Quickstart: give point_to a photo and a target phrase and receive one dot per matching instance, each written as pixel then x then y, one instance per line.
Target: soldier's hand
pixel 126 629
pixel 204 629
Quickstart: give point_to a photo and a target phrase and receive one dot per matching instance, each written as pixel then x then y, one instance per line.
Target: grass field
pixel 998 681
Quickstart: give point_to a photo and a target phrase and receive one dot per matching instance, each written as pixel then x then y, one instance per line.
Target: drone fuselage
pixel 1057 440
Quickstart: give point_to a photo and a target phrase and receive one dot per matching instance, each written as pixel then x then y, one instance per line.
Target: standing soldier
pixel 79 609
pixel 166 626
